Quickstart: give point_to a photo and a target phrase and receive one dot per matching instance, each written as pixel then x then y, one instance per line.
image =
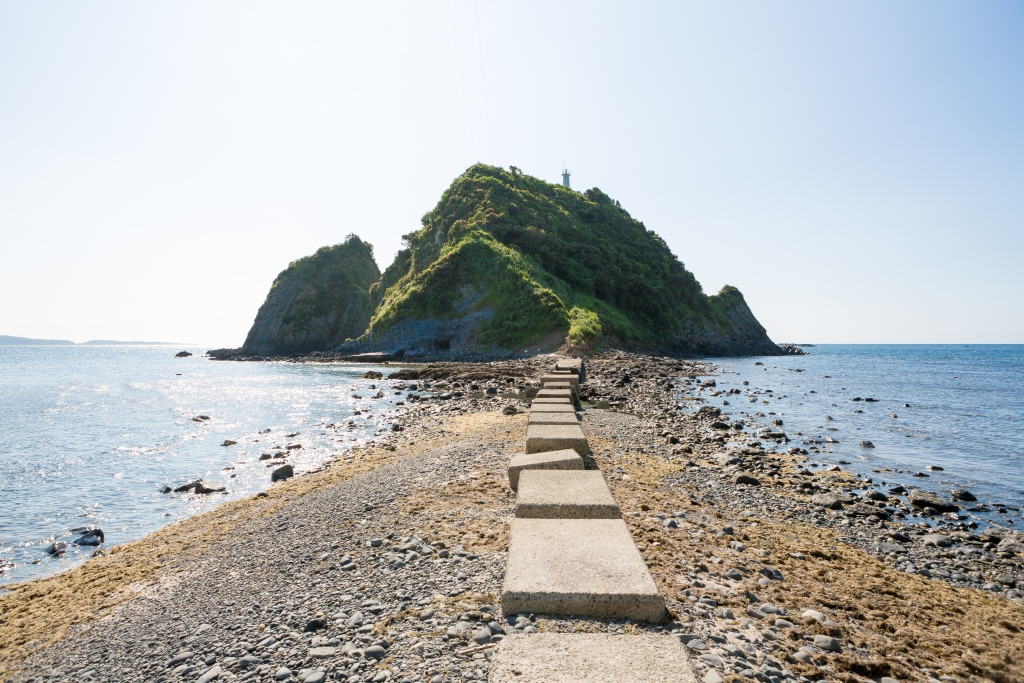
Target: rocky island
pixel 504 262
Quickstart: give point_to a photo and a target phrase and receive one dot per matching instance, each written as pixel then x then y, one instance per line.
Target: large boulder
pixel 93 537
pixel 962 494
pixel 832 501
pixel 282 473
pixel 204 488
pixel 865 510
pixel 924 499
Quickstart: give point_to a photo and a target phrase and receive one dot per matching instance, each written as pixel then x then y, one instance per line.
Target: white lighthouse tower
pixel 565 176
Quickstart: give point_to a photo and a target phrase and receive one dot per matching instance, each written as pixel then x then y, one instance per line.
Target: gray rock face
pixel 417 337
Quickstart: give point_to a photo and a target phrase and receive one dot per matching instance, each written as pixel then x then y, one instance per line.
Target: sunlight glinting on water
pixel 91 436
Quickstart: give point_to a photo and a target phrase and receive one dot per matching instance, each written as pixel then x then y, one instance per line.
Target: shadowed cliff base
pixel 504 264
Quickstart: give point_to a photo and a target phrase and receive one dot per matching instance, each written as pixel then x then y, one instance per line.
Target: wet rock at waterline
pixel 282 473
pixel 924 499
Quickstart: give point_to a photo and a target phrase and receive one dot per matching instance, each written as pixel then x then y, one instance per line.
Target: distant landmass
pixel 25 341
pixel 505 261
pixel 111 342
pixel 7 340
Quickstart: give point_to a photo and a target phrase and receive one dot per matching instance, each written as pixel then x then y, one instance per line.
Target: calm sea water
pixel 90 435
pixel 965 413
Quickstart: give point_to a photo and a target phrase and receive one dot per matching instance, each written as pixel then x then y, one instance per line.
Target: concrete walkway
pixel 590 658
pixel 570 553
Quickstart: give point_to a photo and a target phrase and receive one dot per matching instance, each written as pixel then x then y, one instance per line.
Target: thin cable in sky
pixel 483 79
pixel 465 100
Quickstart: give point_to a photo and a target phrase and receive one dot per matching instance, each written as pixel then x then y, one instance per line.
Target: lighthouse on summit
pixel 565 176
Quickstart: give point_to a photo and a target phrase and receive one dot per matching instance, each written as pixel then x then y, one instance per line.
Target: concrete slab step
pixel 583 567
pixel 554 418
pixel 567 459
pixel 547 437
pixel 572 379
pixel 556 393
pixel 574 365
pixel 549 399
pixel 554 494
pixel 569 394
pixel 556 407
pixel 590 658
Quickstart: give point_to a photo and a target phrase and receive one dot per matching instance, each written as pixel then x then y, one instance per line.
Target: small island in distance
pixel 8 340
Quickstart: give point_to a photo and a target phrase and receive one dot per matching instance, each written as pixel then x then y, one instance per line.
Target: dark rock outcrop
pixel 282 473
pixel 924 499
pixel 92 537
pixel 792 350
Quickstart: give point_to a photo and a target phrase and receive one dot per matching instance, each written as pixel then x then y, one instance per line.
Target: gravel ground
pixel 332 582
pixel 388 565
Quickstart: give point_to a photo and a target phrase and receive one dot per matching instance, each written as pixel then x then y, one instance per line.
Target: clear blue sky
pixel 856 169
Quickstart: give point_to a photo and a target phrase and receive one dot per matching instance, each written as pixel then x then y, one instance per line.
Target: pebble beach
pixel 387 564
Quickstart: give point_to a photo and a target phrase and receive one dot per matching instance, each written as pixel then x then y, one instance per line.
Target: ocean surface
pixel 955 407
pixel 90 436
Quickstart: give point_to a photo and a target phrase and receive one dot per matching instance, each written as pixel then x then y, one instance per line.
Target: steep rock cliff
pixel 317 302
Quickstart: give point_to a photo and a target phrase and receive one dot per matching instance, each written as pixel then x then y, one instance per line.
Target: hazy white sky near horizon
pixel 856 169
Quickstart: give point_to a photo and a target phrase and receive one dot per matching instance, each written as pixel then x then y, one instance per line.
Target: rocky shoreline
pixel 387 565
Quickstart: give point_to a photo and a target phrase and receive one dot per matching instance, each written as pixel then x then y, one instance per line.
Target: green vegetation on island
pixel 503 261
